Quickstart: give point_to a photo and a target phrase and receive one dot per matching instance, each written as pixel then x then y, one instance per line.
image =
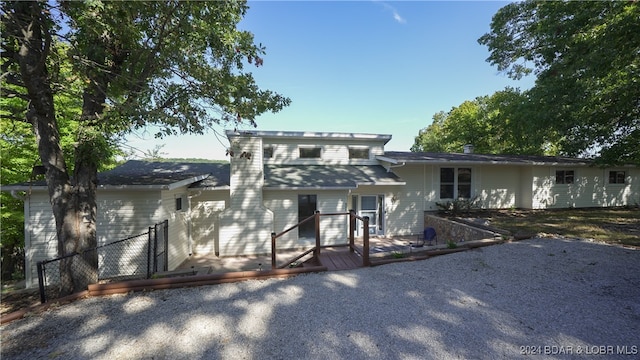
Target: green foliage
pixel 458 206
pixel 451 244
pixel 495 124
pixel 177 65
pixel 585 57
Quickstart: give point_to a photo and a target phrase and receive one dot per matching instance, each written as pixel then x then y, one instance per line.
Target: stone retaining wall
pixel 448 230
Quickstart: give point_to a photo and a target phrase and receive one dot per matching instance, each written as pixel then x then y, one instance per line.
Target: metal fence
pixel 136 257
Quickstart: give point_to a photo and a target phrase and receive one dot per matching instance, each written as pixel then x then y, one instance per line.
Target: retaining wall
pixel 448 230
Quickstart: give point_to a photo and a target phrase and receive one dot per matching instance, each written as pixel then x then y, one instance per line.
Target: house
pixel 276 179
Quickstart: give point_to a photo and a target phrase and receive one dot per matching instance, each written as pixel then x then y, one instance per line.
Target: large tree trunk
pixel 73 206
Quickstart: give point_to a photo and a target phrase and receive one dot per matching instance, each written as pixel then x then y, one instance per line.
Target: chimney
pixel 467 149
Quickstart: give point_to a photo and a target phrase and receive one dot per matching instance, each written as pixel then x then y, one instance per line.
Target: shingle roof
pixel 425 157
pixel 327 176
pixel 136 172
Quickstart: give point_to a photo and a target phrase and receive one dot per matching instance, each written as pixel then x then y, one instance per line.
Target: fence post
pixel 365 245
pixel 273 250
pixel 316 252
pixel 166 244
pixel 150 243
pixel 43 296
pixel 352 229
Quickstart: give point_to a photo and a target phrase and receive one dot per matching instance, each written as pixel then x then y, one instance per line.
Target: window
pixel 179 203
pixel 310 152
pixel 307 205
pixel 564 176
pixel 267 152
pixel 464 183
pixel 447 183
pixel 617 177
pixel 358 153
pixel 455 183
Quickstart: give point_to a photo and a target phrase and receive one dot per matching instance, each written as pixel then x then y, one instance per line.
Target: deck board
pixel 340 259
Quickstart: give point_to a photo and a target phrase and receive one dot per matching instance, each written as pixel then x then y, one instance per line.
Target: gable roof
pixel 396 157
pixel 331 177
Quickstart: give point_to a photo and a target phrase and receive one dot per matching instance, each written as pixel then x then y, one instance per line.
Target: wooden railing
pixel 316 249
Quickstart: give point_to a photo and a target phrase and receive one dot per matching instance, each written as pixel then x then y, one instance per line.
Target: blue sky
pixel 383 67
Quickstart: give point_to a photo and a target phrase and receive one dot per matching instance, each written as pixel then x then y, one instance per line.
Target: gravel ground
pixel 538 298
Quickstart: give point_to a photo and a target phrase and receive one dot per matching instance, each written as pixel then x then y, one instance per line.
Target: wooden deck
pixel 339 258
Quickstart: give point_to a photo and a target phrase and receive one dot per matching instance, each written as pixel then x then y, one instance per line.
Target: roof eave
pixel 186 182
pixel 289 188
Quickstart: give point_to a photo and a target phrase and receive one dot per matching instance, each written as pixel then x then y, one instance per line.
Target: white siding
pixel 590 188
pixel 178 225
pixel 525 200
pixel 125 213
pixel 334 151
pixel 121 215
pixel 41 241
pixel 206 206
pixel 246 225
pixel 284 204
pixel 333 229
pixel 497 187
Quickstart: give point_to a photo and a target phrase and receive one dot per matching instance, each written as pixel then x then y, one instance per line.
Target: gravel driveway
pixel 539 298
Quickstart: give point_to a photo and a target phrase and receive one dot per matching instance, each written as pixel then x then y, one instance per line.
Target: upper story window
pixel 267 152
pixel 455 183
pixel 358 153
pixel 565 176
pixel 617 177
pixel 310 152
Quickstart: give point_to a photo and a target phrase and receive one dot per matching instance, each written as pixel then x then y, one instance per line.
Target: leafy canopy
pixel 178 65
pixel 493 124
pixel 586 56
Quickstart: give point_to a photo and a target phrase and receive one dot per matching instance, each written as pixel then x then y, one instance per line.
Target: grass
pixel 614 226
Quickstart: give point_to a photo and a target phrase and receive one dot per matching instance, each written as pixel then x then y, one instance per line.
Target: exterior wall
pixel 590 188
pixel 123 214
pixel 120 215
pixel 401 216
pixel 246 225
pixel 41 241
pixel 284 204
pixel 178 225
pixel 206 207
pixel 497 187
pixel 525 200
pixel 405 204
pixel 334 151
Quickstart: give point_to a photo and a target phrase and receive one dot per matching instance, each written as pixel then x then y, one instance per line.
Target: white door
pixel 373 207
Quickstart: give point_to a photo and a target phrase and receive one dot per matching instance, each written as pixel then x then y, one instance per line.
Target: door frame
pixel 377 222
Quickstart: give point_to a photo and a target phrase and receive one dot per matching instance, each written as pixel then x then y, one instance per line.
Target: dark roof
pixel 425 157
pixel 327 176
pixel 139 173
pixel 136 172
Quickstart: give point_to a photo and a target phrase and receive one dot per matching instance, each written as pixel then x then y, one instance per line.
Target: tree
pixel 18 149
pixel 585 57
pixel 492 124
pixel 175 64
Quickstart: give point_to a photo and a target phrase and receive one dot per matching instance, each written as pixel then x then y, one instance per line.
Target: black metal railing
pixel 136 257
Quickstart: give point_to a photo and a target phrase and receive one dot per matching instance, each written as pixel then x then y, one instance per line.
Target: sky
pixel 381 67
